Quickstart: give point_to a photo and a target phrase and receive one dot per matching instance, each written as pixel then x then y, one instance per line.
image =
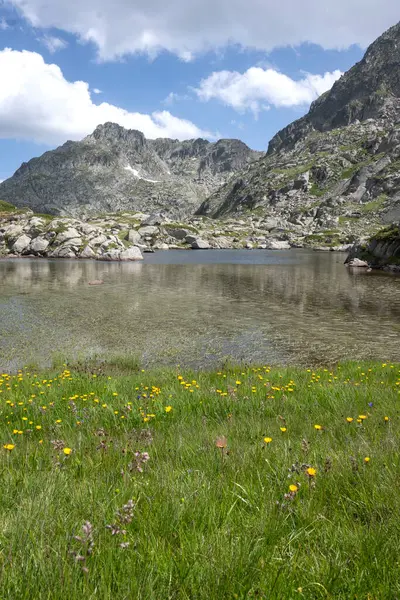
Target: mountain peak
pixel 112 132
pixel 370 89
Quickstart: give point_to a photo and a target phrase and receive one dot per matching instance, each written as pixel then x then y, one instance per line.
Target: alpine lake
pixel 198 309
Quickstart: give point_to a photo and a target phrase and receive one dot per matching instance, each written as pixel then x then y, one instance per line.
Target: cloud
pixel 187 28
pixel 258 88
pixel 3 24
pixel 53 44
pixel 97 91
pixel 173 97
pixel 38 103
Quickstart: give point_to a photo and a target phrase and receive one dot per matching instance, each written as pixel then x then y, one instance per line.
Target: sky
pixel 210 68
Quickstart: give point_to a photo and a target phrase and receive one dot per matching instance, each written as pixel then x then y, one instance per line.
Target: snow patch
pixel 135 173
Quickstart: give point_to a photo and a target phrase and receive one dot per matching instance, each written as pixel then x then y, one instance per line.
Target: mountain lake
pixel 198 309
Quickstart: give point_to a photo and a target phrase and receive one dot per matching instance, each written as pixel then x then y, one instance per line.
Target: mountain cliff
pixel 338 167
pixel 116 169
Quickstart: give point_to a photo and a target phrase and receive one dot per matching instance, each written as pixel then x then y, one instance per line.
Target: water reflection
pixel 196 308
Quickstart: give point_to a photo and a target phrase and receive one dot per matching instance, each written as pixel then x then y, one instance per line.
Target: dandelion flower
pixel 168 409
pixel 293 488
pixel 67 451
pixel 349 419
pixel 9 447
pixel 311 472
pixel 386 419
pixel 267 440
pixel 38 427
pixel 318 427
pixel 362 417
pixel 367 459
pixel 283 429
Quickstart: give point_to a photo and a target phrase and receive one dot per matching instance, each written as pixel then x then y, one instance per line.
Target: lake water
pixel 199 308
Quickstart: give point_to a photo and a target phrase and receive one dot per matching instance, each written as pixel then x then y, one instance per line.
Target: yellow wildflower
pixel 168 409
pixel 67 451
pixel 283 429
pixel 293 488
pixel 9 447
pixel 267 440
pixel 318 427
pixel 367 459
pixel 311 472
pixel 349 419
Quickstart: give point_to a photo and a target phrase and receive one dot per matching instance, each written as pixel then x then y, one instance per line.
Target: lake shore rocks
pixel 28 235
pixel 381 251
pixel 126 236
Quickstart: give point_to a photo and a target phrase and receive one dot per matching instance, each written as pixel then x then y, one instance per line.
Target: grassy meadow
pixel 271 483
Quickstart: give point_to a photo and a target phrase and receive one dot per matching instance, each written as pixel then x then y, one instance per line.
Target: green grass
pixel 6 207
pixel 373 205
pixel 315 190
pixel 207 522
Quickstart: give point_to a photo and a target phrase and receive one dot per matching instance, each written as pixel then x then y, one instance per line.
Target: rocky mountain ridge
pixel 337 168
pixel 115 169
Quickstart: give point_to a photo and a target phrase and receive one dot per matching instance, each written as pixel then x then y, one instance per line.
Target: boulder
pixel 190 239
pixel 357 263
pixel 13 232
pixel 35 225
pixel 132 253
pixel 39 245
pixel 148 230
pixel 200 244
pixel 134 236
pixel 269 224
pixel 223 242
pixel 63 252
pixel 69 234
pixel 112 254
pixel 153 219
pixel 178 234
pixel 277 245
pixel 249 246
pixel 161 246
pixel 98 240
pixel 87 252
pixel 22 243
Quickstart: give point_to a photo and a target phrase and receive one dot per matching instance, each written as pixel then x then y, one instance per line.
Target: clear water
pixel 199 309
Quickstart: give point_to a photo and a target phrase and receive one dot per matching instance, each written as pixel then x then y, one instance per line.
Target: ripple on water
pixel 198 309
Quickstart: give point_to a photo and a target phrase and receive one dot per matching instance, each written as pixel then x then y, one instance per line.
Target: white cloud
pixel 173 97
pixel 53 44
pixel 97 91
pixel 3 24
pixel 258 88
pixel 188 27
pixel 38 103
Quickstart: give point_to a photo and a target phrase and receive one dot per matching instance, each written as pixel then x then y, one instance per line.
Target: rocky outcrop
pixel 381 251
pixel 27 235
pixel 115 169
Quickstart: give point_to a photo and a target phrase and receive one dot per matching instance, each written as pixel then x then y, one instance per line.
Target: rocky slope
pixel 338 168
pixel 115 169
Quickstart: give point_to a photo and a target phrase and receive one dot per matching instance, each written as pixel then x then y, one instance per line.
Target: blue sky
pixel 161 76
